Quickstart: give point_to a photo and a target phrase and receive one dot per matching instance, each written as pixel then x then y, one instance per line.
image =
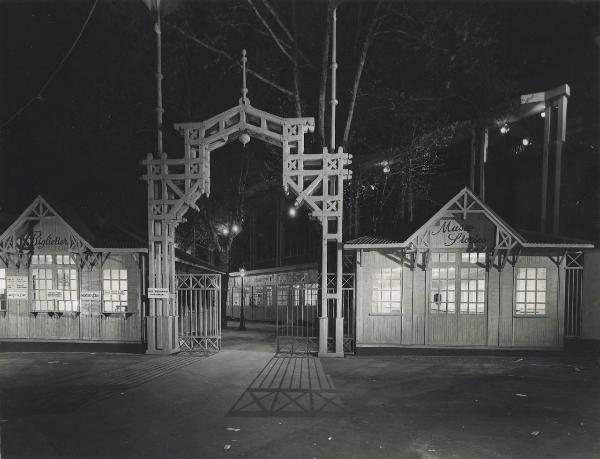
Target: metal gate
pixel 573 294
pixel 298 311
pixel 199 306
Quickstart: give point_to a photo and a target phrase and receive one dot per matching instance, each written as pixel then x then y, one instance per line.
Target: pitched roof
pixel 466 201
pixel 371 241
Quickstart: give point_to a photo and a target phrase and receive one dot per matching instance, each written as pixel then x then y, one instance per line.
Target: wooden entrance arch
pixel 174 186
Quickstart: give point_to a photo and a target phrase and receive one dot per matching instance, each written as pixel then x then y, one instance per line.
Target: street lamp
pixel 242 318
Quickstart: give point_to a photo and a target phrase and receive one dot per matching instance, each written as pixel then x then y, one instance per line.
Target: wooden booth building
pixel 464 278
pixel 62 282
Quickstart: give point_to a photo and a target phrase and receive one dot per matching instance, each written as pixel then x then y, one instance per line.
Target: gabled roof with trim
pixel 464 202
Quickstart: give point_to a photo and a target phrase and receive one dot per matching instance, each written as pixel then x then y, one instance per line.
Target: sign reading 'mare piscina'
pixel 475 232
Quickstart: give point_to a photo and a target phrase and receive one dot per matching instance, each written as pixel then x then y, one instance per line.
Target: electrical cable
pixel 58 67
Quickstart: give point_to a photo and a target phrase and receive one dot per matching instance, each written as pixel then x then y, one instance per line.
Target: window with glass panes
pixel 114 285
pixel 269 296
pixel 257 296
pixel 54 272
pixel 472 283
pixel 2 289
pixel 531 291
pixel 386 296
pixel 443 283
pixel 311 294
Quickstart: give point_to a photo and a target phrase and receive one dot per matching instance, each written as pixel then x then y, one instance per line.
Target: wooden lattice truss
pixel 415 251
pixel 174 185
pixel 17 241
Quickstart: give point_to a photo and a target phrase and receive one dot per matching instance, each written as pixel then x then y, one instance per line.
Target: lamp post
pixel 242 318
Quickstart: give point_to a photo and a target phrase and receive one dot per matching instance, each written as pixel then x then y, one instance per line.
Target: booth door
pixel 457 313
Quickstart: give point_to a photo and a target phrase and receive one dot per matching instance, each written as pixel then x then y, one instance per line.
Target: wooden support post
pixel 561 129
pixel 547 140
pixel 323 320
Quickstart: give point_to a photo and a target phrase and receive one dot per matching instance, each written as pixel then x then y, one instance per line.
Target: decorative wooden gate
pixel 199 306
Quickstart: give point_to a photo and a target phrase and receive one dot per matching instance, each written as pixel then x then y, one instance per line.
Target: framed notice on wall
pixel 17 287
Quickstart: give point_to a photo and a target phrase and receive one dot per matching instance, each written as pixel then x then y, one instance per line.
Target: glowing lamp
pixel 244 138
pixel 235 228
pixel 525 141
pixel 504 129
pixel 292 211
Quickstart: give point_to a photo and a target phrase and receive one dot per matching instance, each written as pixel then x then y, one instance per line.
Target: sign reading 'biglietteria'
pixel 158 292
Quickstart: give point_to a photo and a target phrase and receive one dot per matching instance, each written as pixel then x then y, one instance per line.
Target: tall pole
pixel 333 76
pixel 159 76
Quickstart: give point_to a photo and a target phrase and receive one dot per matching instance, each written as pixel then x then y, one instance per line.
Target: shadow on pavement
pixel 289 386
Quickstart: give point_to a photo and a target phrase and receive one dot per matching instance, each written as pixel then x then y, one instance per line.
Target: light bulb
pixel 292 211
pixel 543 114
pixel 525 141
pixel 386 169
pixel 235 228
pixel 244 138
pixel 504 129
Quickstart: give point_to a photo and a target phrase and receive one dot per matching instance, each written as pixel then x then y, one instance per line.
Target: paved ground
pixel 248 402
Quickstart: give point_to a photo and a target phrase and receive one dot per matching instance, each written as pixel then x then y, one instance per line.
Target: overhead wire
pixel 39 94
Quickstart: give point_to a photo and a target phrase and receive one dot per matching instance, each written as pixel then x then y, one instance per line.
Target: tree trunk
pixel 357 77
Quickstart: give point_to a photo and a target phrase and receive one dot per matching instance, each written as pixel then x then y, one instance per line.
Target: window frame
pixel 372 301
pixel 3 292
pixel 516 291
pixel 119 279
pixel 457 261
pixel 50 262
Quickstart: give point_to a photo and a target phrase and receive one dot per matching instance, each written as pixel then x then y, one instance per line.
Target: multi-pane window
pixel 114 284
pixel 472 283
pixel 257 296
pixel 42 280
pixel 311 294
pixel 531 291
pixel 443 289
pixel 67 283
pixel 268 295
pixel 2 289
pixel 54 284
pixel 282 295
pixel 458 278
pixel 386 297
pixel 235 296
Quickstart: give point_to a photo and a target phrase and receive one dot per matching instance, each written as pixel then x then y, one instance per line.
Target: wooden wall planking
pixel 499 327
pixel 90 325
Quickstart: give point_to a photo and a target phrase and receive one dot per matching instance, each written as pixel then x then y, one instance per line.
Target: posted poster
pixel 17 287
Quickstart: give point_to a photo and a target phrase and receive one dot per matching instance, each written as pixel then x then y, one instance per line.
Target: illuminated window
pixel 311 294
pixel 472 290
pixel 386 296
pixel 282 295
pixel 2 289
pixel 531 291
pixel 114 284
pixel 269 296
pixel 235 296
pixel 42 280
pixel 54 284
pixel 67 283
pixel 257 296
pixel 443 290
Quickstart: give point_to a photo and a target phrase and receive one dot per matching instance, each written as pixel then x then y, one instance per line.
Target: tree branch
pixel 276 39
pixel 191 36
pixel 357 76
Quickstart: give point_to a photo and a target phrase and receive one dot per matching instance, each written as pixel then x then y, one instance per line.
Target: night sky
pixel 81 140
